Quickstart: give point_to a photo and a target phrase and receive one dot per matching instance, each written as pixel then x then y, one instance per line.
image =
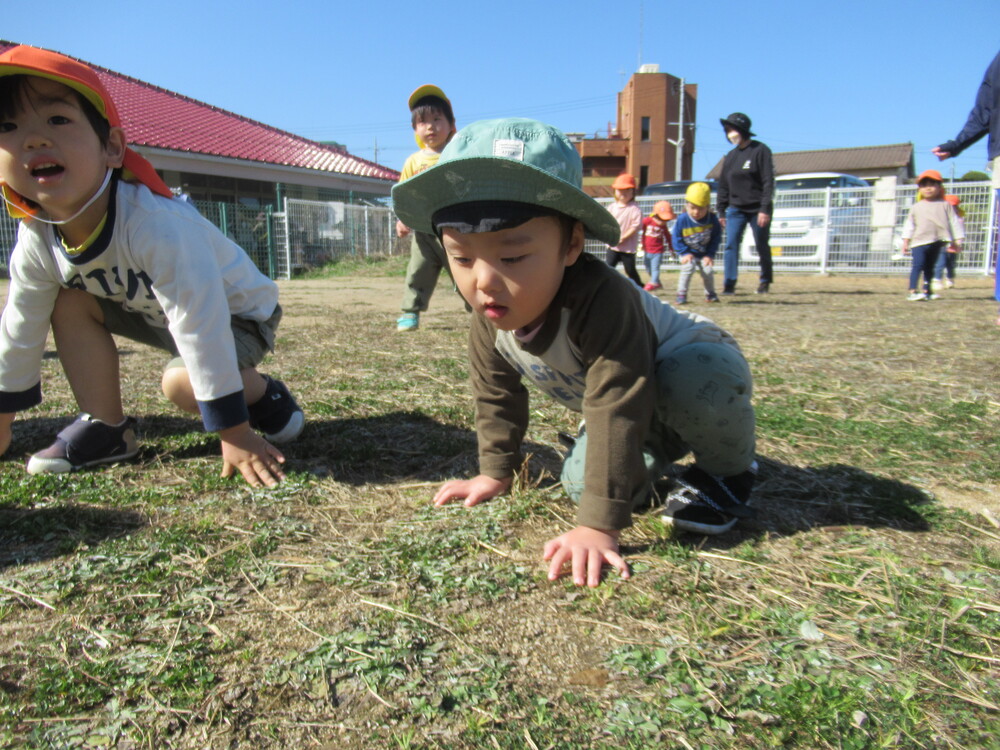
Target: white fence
pixel 308 234
pixel 857 230
pixel 838 230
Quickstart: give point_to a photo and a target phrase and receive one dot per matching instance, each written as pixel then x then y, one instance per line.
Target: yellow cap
pixel 428 89
pixel 698 194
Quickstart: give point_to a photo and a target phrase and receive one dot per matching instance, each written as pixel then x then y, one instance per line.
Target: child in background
pixel 652 383
pixel 946 261
pixel 629 216
pixel 697 234
pixel 930 226
pixel 656 235
pixel 433 126
pixel 98 254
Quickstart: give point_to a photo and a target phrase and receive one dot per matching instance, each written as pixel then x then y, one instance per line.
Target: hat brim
pixel 734 126
pixel 479 178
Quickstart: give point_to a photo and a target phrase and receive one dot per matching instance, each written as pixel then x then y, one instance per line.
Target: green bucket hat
pixel 523 161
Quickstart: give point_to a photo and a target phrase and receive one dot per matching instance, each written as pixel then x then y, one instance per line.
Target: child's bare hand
pixel 707 262
pixel 256 459
pixel 472 491
pixel 685 259
pixel 401 229
pixel 586 550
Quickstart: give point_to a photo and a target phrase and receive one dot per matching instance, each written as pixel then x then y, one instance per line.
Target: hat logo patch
pixel 549 196
pixel 509 148
pixel 459 185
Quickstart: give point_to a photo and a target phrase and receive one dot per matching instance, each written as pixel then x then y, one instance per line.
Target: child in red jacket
pixel 656 236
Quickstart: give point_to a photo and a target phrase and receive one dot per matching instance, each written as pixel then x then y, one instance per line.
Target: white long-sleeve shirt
pixel 157 257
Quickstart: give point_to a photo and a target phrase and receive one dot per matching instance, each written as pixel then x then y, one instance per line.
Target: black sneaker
pixel 764 287
pixel 276 414
pixel 86 442
pixel 706 504
pixel 729 288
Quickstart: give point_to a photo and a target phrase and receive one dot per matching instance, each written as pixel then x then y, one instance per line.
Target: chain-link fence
pixel 840 230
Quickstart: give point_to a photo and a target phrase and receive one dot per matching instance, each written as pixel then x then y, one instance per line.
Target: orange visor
pixel 82 78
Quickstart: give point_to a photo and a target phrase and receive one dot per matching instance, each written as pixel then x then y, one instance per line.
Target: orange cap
pixel 664 210
pixel 930 174
pixel 953 199
pixel 624 181
pixel 82 78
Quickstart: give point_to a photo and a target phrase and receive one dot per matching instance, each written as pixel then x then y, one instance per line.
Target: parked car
pixel 674 189
pixel 818 215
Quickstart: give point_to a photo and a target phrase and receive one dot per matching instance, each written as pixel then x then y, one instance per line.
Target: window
pixel 644 135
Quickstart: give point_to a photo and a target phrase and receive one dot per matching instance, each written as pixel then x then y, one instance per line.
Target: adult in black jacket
pixel 984 118
pixel 746 197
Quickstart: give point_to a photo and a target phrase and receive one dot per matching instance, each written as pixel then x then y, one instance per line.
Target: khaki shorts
pixel 253 339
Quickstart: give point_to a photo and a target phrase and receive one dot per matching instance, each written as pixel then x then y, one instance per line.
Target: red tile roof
pixel 159 118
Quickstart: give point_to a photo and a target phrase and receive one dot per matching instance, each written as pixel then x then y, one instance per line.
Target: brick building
pixel 644 142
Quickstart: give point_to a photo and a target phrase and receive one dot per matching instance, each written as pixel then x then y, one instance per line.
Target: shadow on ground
pixel 30 535
pixel 791 499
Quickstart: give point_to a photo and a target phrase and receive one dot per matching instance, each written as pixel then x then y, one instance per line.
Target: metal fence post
pixel 824 258
pixel 288 243
pixel 993 236
pixel 366 231
pixel 268 218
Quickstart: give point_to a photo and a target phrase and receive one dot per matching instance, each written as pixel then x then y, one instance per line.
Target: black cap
pixel 738 121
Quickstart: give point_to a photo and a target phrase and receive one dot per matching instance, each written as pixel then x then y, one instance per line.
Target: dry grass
pixel 155 605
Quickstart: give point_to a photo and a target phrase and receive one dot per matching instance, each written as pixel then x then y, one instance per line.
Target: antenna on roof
pixel 641 7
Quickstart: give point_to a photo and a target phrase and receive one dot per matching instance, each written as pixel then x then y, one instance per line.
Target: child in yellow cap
pixel 104 249
pixel 433 126
pixel 696 235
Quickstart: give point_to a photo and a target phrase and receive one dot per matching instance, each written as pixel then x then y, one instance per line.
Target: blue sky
pixel 809 74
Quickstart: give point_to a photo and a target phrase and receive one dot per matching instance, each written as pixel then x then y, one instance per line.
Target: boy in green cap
pixel 652 383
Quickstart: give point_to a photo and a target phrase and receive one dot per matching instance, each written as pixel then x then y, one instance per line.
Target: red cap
pixel 82 78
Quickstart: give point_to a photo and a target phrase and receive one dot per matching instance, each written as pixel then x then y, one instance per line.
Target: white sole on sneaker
pixel 41 465
pixel 288 433
pixel 700 528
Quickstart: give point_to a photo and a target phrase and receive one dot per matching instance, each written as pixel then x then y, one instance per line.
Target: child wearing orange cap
pixel 656 236
pixel 944 269
pixel 629 216
pixel 104 249
pixel 433 126
pixel 931 225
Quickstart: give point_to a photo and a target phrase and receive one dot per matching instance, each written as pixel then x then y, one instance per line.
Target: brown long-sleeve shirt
pixel 596 353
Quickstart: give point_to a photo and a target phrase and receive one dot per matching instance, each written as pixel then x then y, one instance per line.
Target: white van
pixel 817 216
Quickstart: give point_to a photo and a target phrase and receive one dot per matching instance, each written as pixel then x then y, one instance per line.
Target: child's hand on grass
pixel 472 491
pixel 256 459
pixel 586 550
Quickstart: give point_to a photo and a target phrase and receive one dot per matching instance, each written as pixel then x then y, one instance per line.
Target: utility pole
pixel 679 143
